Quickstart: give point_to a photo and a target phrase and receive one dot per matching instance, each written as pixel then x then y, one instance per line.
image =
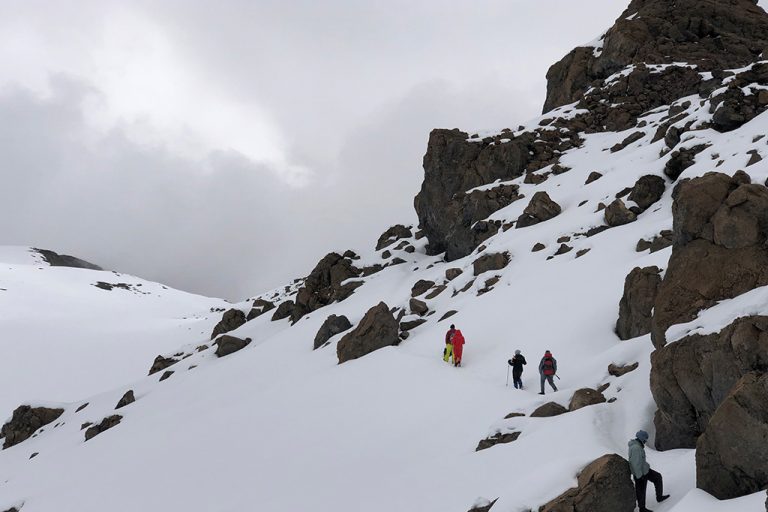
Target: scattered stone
pixel 284 310
pixel 617 214
pixel 538 247
pixel 483 506
pixel 497 438
pixel 618 371
pixel 386 254
pixel 488 262
pixel 564 239
pixel 64 260
pixel 448 315
pixel 533 178
pixel 412 324
pixel 395 261
pixel 754 157
pixel 421 287
pixel 418 307
pixel 226 345
pixel 658 243
pixel 453 273
pixel 648 190
pixel 582 252
pixel 680 160
pixel 437 290
pixel 85 425
pixel 563 249
pixel 25 421
pixel 166 374
pixel 514 415
pixel 641 287
pixel 593 176
pixel 259 307
pixel 548 410
pixel 392 235
pixel 105 424
pixel 489 284
pixel 585 397
pixel 330 281
pixel 81 407
pixel 35 454
pixel 540 209
pixel 231 320
pixel 332 326
pixel 377 329
pixel 127 398
pixel 627 141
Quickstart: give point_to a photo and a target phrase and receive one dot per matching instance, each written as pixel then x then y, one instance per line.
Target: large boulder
pixel 541 208
pixel 231 320
pixel 647 190
pixel 226 345
pixel 731 455
pixel 378 329
pixel 548 410
pixel 636 305
pixel 392 235
pixel 585 397
pixel 258 308
pixel 605 485
pixel 325 285
pixel 720 247
pixel 332 326
pixel 617 214
pixel 488 262
pixel 691 377
pixel 25 421
pixel 714 36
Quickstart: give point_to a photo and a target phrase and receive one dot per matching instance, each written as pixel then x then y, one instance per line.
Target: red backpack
pixel 548 366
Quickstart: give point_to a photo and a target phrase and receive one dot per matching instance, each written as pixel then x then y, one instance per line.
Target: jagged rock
pixel 618 371
pixel 418 307
pixel 324 285
pixel 377 329
pixel 485 506
pixel 448 314
pixel 161 363
pixel 585 397
pixel 64 260
pixel 167 374
pixel 593 176
pixel 714 36
pixel 231 320
pixel 412 324
pixel 393 234
pixel 680 160
pixel 582 252
pixel 437 290
pixel 685 385
pixel 488 262
pixel 421 287
pixel 647 191
pixel 731 454
pixel 605 485
pixel 497 438
pixel 540 209
pixel 548 410
pixel 25 421
pixel 735 109
pixel 332 326
pixel 636 306
pixel 658 243
pixel 514 415
pixel 719 223
pixel 453 273
pixel 754 158
pixel 259 307
pixel 564 248
pixel 284 310
pixel 105 424
pixel 226 345
pixel 617 214
pixel 127 398
pixel 532 178
pixel 538 247
pixel 636 136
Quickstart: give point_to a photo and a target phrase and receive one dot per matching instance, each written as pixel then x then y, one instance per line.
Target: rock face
pixel 605 485
pixel 548 410
pixel 376 330
pixel 259 307
pixel 719 223
pixel 731 454
pixel 687 388
pixel 226 345
pixel 647 191
pixel 324 285
pixel 332 326
pixel 25 421
pixel 231 320
pixel 584 398
pixel 392 235
pixel 105 424
pixel 488 262
pixel 64 260
pixel 284 310
pixel 540 209
pixel 719 35
pixel 636 306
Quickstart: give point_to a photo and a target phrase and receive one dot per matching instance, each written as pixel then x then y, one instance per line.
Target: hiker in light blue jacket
pixel 642 472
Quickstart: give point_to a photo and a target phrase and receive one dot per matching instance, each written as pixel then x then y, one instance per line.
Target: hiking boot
pixel 662 498
pixel 541 393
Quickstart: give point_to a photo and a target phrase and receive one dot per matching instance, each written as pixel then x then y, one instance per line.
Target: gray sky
pixel 224 147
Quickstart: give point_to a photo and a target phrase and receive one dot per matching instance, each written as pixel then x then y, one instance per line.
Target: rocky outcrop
pixel 284 310
pixel 585 397
pixel 488 262
pixel 636 305
pixel 226 345
pixel 258 308
pixel 720 250
pixel 392 235
pixel 332 326
pixel 691 377
pixel 126 399
pixel 497 438
pixel 548 410
pixel 105 424
pixel 25 421
pixel 484 506
pixel 731 454
pixel 647 190
pixel 421 287
pixel 64 260
pixel 657 243
pixel 714 36
pixel 605 485
pixel 541 208
pixel 231 320
pixel 325 285
pixel 418 307
pixel 377 329
pixel 161 363
pixel 617 214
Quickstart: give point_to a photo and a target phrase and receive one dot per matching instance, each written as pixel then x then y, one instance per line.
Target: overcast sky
pixel 223 147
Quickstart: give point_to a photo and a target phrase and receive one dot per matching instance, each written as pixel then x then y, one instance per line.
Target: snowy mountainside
pixel 542 225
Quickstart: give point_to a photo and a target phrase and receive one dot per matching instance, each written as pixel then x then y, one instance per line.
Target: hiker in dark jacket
pixel 517 363
pixel 548 370
pixel 642 472
pixel 448 351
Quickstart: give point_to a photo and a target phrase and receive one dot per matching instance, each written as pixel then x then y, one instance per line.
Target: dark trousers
pixel 516 380
pixel 641 484
pixel 547 378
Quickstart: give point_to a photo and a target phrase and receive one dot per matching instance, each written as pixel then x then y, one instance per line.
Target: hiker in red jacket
pixel 458 347
pixel 547 370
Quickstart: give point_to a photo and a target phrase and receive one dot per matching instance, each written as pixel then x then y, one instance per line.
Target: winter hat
pixel 453 326
pixel 642 435
pixel 517 352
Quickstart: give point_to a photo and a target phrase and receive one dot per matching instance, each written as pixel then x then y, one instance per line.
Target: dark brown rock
pixel 497 438
pixel 593 176
pixel 437 290
pixel 81 407
pixel 647 191
pixel 412 324
pixel 231 320
pixel 167 374
pixel 548 410
pixel 636 306
pixel 563 249
pixel 541 208
pixel 538 247
pixel 332 326
pixel 489 262
pixel 617 214
pixel 377 329
pixel 605 485
pixel 127 398
pixel 105 424
pixel 453 273
pixel 680 160
pixel 448 314
pixel 618 371
pixel 258 308
pixel 393 234
pixel 161 363
pixel 731 454
pixel 658 243
pixel 585 397
pixel 514 415
pixel 226 345
pixel 64 260
pixel 25 421
pixel 421 287
pixel 636 136
pixel 326 284
pixel 418 307
pixel 284 310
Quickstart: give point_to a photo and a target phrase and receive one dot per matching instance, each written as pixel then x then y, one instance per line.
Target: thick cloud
pixel 224 147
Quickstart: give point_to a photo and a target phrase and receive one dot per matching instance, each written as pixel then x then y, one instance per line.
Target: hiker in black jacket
pixel 517 363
